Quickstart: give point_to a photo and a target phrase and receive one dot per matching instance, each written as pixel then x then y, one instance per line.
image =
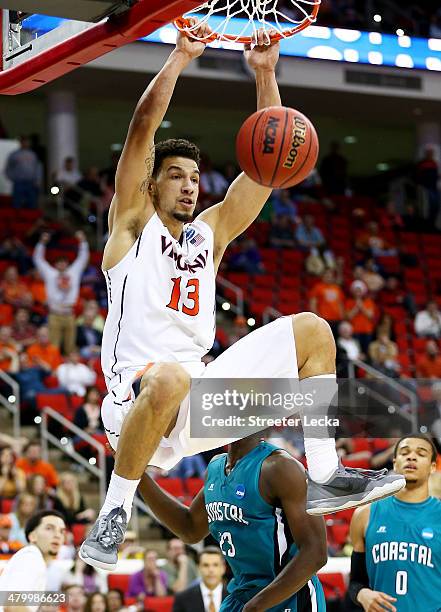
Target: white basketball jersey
pixel 162 299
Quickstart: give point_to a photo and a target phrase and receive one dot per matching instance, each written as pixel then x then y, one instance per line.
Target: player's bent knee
pixel 313 337
pixel 165 384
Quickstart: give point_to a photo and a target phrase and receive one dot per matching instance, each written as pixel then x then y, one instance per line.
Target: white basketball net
pixel 285 16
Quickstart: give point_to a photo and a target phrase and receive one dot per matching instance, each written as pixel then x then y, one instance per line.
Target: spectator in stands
pixel 327 299
pixel 393 294
pixel 91 313
pixel 108 174
pixel 12 249
pixel 429 365
pixel 150 580
pixel 37 289
pixel 13 290
pixel 86 576
pixel 309 236
pixel 370 275
pixel 385 326
pixel 36 486
pixel 347 342
pixel 62 288
pixel 428 321
pixel 24 170
pixel 23 331
pixel 390 218
pixel 88 416
pixel 284 205
pixel 32 463
pixel 96 602
pixel 190 467
pixel 16 444
pixel 74 375
pixel 209 592
pixel 333 171
pixel 76 598
pixel 115 600
pixel 69 501
pixel 9 361
pixel 31 380
pixel 281 234
pixel 383 450
pixel 25 507
pixel 383 354
pixel 212 184
pixel 43 354
pixel 88 337
pixel 131 548
pixel 371 242
pixel 68 176
pixel 180 568
pixel 427 176
pixel 361 312
pixel 247 258
pixel 12 478
pixel 6 313
pixel 8 546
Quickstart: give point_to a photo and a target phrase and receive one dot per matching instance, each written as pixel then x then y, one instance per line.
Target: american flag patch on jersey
pixel 197 240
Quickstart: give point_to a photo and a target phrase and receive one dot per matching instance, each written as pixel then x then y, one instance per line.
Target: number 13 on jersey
pixel 190 301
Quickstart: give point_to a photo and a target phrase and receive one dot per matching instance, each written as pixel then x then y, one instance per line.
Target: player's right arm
pixel 131 207
pixel 190 524
pixel 361 594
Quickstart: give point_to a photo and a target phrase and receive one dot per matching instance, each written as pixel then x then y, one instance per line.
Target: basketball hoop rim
pixel 182 24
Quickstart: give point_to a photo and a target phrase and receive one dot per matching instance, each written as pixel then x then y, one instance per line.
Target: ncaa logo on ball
pixel 427 533
pixel 270 135
pixel 298 138
pixel 240 491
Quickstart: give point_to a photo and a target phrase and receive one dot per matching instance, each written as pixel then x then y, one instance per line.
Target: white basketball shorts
pixel 267 352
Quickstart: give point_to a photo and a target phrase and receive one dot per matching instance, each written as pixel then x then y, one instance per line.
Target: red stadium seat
pixel 338 533
pixel 79 533
pixel 6 505
pixel 118 581
pixel 57 401
pixel 158 604
pixel 194 485
pixel 334 585
pixel 174 486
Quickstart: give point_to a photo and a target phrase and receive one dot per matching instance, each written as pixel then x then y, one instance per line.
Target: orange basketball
pixel 277 147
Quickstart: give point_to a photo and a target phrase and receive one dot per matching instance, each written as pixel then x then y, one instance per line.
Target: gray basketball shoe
pixel 350 488
pixel 100 548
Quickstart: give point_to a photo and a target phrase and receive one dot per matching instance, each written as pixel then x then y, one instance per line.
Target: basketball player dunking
pixel 160 268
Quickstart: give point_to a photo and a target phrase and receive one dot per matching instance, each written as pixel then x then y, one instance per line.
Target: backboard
pixel 32 57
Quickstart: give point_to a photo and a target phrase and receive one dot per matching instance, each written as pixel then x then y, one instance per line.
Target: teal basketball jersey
pixel 403 553
pixel 253 535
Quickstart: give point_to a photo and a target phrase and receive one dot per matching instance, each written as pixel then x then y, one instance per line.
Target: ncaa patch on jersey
pixel 240 491
pixel 427 533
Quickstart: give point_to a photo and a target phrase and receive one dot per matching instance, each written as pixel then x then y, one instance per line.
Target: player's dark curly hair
pixel 175 147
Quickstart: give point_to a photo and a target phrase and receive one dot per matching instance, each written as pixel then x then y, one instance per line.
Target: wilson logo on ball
pixel 298 139
pixel 270 135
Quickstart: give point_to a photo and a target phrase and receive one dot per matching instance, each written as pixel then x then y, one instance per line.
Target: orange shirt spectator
pixel 37 288
pixel 429 365
pixel 360 310
pixel 7 547
pixel 8 351
pixel 14 291
pixel 43 353
pixel 6 314
pixel 327 298
pixel 32 463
